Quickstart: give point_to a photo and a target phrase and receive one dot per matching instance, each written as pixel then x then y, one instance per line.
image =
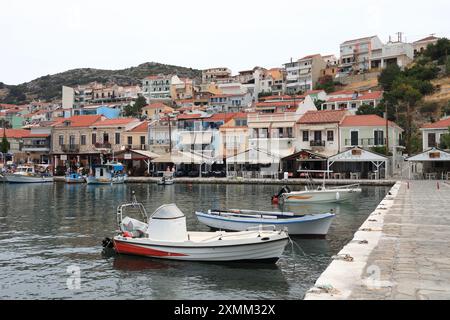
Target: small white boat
pixel 109 173
pixel 30 174
pixel 320 194
pixel 237 220
pixel 166 180
pixel 74 177
pixel 164 235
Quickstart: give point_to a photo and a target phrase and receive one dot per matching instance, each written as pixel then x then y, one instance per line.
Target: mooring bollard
pixel 408 184
pixel 437 185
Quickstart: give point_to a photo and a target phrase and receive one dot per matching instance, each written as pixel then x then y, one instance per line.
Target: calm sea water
pixel 46 229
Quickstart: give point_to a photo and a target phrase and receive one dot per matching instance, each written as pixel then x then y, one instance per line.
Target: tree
pixel 445 140
pixel 388 76
pixel 368 109
pixel 326 83
pixel 438 51
pixel 318 103
pixel 4 146
pixel 135 110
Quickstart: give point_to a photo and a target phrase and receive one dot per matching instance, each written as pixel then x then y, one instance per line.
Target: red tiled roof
pixel 15 133
pixel 277 104
pixel 156 105
pixel 310 56
pixel 366 121
pixel 143 127
pixel 327 116
pixel 441 124
pixel 189 116
pixel 429 38
pixel 348 92
pixel 368 96
pixel 313 91
pixel 79 121
pixel 7 106
pixel 113 122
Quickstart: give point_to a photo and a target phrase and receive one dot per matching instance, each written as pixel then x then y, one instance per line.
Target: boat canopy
pixel 168 223
pixel 168 211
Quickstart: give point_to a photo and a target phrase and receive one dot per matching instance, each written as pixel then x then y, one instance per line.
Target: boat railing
pixel 137 206
pixel 349 186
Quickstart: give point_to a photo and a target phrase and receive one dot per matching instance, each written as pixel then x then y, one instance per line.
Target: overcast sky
pixel 50 36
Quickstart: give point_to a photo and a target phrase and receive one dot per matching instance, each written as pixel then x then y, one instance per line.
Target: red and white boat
pixel 164 235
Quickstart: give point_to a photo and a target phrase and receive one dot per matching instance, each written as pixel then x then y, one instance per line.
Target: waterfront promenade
pixel 402 251
pixel 255 181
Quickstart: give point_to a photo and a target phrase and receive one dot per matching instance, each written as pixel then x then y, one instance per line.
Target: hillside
pixel 49 87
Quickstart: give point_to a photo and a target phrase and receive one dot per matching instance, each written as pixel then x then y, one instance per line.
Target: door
pixel 354 138
pixel 317 136
pixel 431 140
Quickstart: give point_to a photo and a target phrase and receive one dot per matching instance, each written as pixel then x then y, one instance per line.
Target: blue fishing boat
pixel 109 173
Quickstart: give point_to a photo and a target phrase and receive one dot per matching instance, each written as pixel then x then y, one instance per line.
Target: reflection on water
pixel 46 228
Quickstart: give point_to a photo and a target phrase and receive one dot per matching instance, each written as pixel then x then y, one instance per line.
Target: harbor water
pixel 50 240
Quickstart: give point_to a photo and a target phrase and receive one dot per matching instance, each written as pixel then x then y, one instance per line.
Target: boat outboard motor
pixel 276 198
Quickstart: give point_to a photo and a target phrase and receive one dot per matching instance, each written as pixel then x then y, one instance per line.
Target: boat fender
pixel 126 234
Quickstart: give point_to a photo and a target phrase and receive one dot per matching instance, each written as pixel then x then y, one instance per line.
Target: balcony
pixel 141 147
pixel 370 142
pixel 104 145
pixel 317 143
pixel 35 148
pixel 70 148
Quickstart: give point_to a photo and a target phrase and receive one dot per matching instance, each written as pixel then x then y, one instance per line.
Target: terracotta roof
pixel 113 122
pixel 79 121
pixel 189 116
pixel 143 127
pixel 327 116
pixel 359 39
pixel 368 96
pixel 441 124
pixel 429 38
pixel 7 106
pixel 277 104
pixel 310 56
pixel 371 120
pixel 15 133
pixel 221 117
pixel 313 91
pixel 349 92
pixel 156 105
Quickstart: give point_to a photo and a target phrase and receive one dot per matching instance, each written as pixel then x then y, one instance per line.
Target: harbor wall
pixel 345 273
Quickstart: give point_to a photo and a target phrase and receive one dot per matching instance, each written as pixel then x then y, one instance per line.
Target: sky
pixel 50 36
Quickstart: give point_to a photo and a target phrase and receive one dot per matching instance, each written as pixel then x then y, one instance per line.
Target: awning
pixel 357 155
pixel 178 157
pixel 259 125
pixel 433 154
pixel 254 156
pixel 289 124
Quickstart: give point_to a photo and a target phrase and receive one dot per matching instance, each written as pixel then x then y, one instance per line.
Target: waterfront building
pixel 234 136
pixel 136 138
pixel 369 131
pixel 432 133
pixel 318 131
pixel 87 139
pixel 28 145
pixel 351 101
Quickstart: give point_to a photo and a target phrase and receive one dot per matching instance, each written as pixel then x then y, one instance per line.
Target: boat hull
pixel 338 195
pixel 93 180
pixel 256 250
pixel 311 225
pixel 12 178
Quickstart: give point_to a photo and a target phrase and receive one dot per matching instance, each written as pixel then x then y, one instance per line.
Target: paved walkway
pixel 411 257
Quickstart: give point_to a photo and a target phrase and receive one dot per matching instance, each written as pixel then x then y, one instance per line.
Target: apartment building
pixel 356 55
pixel 157 87
pixel 303 74
pixel 220 74
pixel 351 101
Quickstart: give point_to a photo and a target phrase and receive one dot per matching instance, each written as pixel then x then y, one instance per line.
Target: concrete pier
pixel 402 251
pixel 254 181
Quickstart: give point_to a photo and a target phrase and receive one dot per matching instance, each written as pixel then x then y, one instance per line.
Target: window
pixel 83 140
pixel 105 138
pixel 94 138
pixel 317 135
pixel 130 140
pixel 305 136
pixel 117 137
pixel 378 136
pixel 142 140
pixel 353 105
pixel 330 135
pixel 61 140
pixel 72 140
pixel 431 140
pixel 289 132
pixel 354 136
